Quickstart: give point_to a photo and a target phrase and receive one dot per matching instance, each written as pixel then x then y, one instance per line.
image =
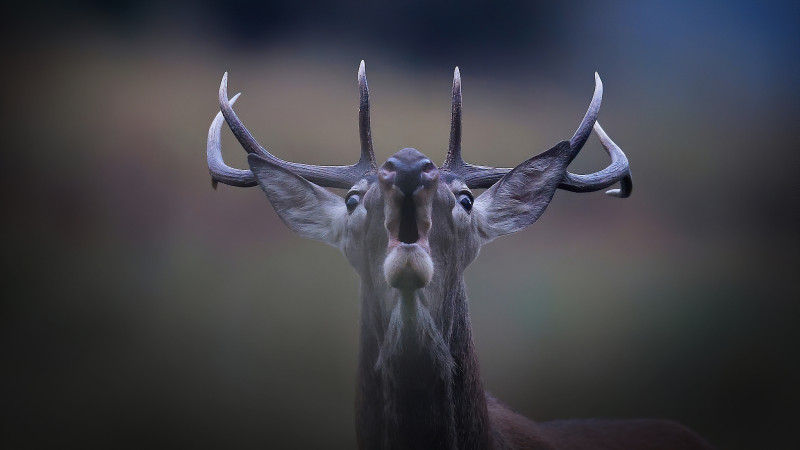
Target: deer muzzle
pixel 408 182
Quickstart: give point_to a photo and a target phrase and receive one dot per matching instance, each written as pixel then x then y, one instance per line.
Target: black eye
pixel 465 199
pixel 352 201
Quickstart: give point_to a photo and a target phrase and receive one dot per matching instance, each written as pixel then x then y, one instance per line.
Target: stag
pixel 410 228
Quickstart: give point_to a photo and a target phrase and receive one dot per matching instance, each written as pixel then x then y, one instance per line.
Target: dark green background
pixel 143 309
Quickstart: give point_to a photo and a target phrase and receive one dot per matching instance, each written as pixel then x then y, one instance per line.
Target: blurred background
pixel 144 309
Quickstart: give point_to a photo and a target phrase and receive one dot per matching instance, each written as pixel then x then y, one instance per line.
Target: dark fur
pixel 412 402
pixel 410 396
pixel 419 384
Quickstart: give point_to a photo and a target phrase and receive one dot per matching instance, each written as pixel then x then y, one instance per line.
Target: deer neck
pixel 419 381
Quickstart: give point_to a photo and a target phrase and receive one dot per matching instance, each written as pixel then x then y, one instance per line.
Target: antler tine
pixel 453 159
pixel 242 134
pixel 221 172
pixel 618 171
pixel 364 127
pixel 475 176
pixel 585 128
pixel 327 176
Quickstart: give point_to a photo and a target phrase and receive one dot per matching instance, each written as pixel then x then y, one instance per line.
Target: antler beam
pixel 484 177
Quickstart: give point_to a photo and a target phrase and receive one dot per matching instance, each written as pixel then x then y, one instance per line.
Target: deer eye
pixel 465 199
pixel 352 201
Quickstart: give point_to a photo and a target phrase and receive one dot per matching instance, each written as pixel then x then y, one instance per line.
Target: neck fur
pixel 419 382
pixel 414 336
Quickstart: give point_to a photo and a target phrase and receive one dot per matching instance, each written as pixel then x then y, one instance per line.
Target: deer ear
pixel 307 209
pixel 522 195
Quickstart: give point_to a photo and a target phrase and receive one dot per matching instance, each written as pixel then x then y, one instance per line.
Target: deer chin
pixel 408 267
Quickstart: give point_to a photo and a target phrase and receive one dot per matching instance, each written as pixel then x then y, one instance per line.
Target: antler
pixel 618 171
pixel 484 177
pixel 327 176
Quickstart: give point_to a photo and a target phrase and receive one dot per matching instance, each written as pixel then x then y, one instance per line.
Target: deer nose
pixel 409 174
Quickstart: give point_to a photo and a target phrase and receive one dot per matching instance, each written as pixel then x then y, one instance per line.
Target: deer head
pixel 408 224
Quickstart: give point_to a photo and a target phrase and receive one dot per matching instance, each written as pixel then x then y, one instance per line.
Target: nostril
pixel 387 173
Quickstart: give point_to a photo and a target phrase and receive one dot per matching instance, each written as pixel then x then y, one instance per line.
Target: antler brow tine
pixel 618 171
pixel 221 172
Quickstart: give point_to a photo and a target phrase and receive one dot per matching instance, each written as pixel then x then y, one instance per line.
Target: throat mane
pixel 416 366
pixel 419 380
pixel 413 338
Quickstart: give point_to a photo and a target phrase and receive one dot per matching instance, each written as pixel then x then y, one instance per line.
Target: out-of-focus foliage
pixel 143 308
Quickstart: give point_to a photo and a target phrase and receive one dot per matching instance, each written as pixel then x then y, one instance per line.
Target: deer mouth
pixel 408 222
pixel 408 264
